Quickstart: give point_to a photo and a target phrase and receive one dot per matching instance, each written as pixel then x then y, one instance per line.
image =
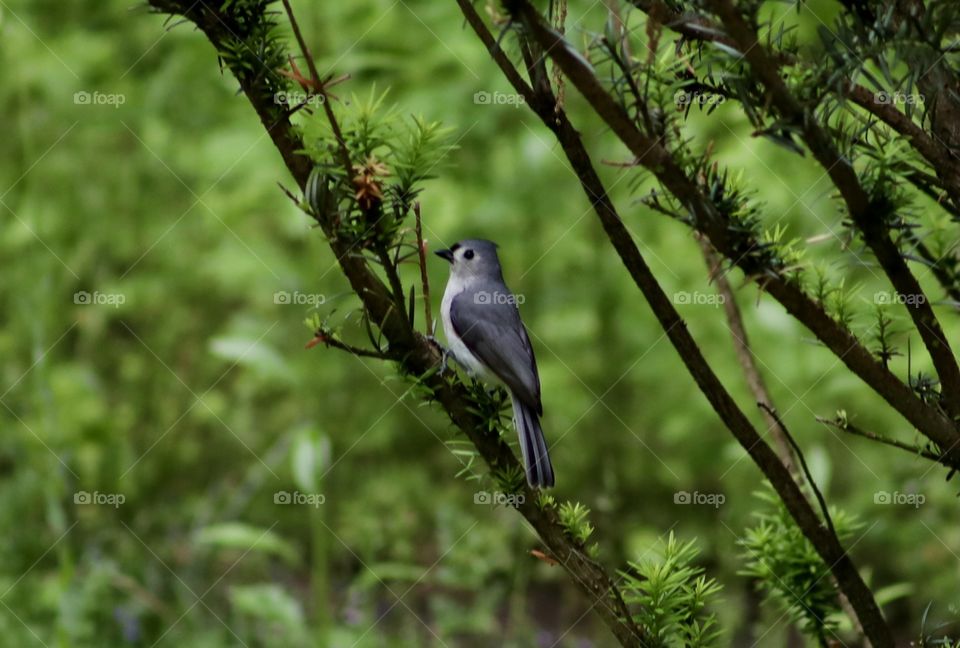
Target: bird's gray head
pixel 473 258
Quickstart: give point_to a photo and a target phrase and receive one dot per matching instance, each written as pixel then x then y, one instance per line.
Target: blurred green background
pixel 158 403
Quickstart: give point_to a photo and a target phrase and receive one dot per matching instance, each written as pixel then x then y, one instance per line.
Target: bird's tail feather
pixel 532 445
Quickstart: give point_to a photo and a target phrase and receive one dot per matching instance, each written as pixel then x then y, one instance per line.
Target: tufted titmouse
pixel 487 337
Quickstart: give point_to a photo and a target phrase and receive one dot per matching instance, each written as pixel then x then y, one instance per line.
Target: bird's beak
pixel 445 254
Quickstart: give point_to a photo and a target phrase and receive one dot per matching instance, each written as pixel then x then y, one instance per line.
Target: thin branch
pixel 789 449
pixel 741 345
pixel 772 413
pixel 328 340
pixel 393 279
pixel 917 451
pixel 424 279
pixel 373 214
pixel 845 603
pixel 928 187
pixel 318 86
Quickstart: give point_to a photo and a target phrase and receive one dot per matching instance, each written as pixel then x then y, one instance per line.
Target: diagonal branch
pixel 821 537
pixel 869 215
pixel 698 28
pixel 942 159
pixel 943 266
pixel 741 344
pixel 883 23
pixel 652 155
pixel 939 157
pixel 420 358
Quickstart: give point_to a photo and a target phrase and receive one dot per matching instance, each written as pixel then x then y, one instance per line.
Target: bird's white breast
pixel 460 351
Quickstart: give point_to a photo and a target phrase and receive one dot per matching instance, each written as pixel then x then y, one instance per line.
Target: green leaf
pixel 250 352
pixel 245 538
pixel 309 456
pixel 267 602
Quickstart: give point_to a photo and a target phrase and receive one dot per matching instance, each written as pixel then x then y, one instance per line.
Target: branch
pixel 420 358
pixel 691 26
pixel 825 511
pixel 866 213
pixel 318 86
pixel 374 212
pixel 821 537
pixel 946 275
pixel 905 19
pixel 845 426
pixel 939 157
pixel 326 339
pixel 741 345
pixel 652 155
pixel 790 451
pixel 772 413
pixel 422 262
pixel 698 28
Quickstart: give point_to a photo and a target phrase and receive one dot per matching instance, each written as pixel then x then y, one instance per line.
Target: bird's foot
pixel 444 353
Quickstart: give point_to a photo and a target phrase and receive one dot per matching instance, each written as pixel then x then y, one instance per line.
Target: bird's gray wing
pixel 495 334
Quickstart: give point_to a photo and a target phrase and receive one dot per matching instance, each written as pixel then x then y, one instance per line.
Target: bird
pixel 486 336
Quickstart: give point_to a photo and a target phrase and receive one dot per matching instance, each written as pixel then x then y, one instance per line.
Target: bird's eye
pixel 468 255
